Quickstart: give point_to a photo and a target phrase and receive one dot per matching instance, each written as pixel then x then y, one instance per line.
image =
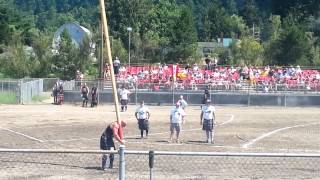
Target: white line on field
pixel 24 135
pixel 246 145
pixel 151 134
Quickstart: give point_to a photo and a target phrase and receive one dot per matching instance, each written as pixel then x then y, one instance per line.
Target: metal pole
pixel 151 163
pixel 129 47
pixel 114 88
pixel 122 165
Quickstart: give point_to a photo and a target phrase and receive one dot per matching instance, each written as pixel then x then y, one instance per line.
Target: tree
pixel 247 51
pixel 292 46
pixel 64 62
pixel 250 13
pixel 41 44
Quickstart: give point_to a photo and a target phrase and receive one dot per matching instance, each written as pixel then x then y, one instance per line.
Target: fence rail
pixel 63 163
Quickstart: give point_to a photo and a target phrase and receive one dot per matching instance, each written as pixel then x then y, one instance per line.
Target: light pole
pixel 129 29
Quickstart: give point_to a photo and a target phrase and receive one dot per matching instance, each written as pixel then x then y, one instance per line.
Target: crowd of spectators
pixel 223 77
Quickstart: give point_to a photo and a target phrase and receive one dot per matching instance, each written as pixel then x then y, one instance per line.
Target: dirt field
pixel 239 129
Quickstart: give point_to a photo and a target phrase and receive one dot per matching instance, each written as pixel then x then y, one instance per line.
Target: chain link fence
pixel 68 164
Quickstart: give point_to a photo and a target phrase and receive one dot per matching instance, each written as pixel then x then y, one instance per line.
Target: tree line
pixel 265 32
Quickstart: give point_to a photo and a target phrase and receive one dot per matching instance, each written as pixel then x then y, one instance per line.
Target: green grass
pixel 8 98
pixel 39 98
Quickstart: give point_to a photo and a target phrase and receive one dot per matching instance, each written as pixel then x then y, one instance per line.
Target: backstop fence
pixel 76 164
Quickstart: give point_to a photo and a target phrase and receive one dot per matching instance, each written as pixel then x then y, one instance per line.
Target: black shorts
pixel 143 124
pixel 123 102
pixel 207 125
pixel 175 126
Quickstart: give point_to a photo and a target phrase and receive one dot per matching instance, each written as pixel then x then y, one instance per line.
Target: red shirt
pixel 117 131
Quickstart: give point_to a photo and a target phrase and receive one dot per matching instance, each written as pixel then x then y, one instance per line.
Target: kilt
pixel 143 124
pixel 60 98
pixel 207 125
pixel 123 102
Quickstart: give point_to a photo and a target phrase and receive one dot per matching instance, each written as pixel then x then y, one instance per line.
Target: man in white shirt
pixel 207 120
pixel 182 102
pixel 124 93
pixel 176 118
pixel 142 114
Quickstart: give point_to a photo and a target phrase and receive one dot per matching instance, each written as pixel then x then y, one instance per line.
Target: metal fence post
pixel 122 165
pixel 151 163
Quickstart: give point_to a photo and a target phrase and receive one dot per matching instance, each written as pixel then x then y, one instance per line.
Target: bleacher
pixel 220 78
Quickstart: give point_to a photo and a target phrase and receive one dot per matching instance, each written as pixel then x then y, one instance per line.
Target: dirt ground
pixel 239 129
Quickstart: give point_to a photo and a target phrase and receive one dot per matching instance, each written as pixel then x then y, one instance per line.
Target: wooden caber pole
pixel 106 40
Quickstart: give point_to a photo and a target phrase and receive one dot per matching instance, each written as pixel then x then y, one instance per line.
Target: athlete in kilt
pixel 124 93
pixel 143 115
pixel 176 118
pixel 207 120
pixel 84 94
pixel 113 130
pixel 94 97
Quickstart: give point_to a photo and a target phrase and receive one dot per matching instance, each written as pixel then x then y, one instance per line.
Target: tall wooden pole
pixel 106 40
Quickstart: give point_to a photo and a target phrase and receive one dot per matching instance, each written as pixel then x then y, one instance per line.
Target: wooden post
pixel 106 40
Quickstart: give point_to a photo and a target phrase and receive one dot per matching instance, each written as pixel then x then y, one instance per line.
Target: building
pixel 77 34
pixel 207 48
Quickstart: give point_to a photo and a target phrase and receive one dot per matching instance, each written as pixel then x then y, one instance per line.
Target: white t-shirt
pixel 142 112
pixel 208 112
pixel 177 114
pixel 183 103
pixel 124 94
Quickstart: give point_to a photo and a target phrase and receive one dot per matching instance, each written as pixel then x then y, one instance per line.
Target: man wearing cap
pixel 142 114
pixel 207 120
pixel 113 130
pixel 176 118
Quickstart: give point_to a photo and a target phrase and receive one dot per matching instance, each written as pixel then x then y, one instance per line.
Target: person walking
pixel 124 98
pixel 84 94
pixel 113 130
pixel 207 120
pixel 94 97
pixel 176 118
pixel 142 115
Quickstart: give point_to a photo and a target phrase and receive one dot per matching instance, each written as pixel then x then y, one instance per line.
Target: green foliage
pixel 8 98
pixel 247 51
pixel 163 31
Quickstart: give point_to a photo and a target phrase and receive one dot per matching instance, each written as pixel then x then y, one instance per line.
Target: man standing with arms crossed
pixel 114 129
pixel 207 120
pixel 124 93
pixel 143 115
pixel 176 118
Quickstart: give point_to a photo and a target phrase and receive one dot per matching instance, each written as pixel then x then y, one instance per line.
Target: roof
pixel 77 34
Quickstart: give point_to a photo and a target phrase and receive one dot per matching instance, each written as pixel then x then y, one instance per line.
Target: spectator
pixel 116 66
pixel 206 96
pixel 55 91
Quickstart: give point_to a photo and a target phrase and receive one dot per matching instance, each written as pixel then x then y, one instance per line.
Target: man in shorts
pixel 142 115
pixel 124 97
pixel 176 119
pixel 113 130
pixel 207 120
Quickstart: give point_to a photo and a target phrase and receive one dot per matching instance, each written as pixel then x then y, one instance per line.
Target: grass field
pixel 8 98
pixel 240 129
